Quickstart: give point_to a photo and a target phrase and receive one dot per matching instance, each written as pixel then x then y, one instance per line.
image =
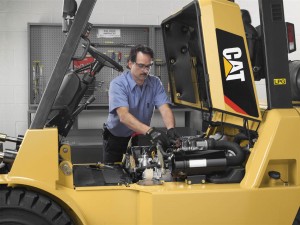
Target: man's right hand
pixel 172 133
pixel 158 136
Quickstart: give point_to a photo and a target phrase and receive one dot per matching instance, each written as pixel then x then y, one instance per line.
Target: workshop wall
pixel 16 14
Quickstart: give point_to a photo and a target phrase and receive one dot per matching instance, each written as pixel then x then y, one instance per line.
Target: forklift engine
pixel 193 158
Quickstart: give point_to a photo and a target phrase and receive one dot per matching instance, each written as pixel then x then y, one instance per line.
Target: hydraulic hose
pixel 236 160
pixel 240 137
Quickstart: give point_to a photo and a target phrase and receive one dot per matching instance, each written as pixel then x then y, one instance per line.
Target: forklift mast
pixel 275 51
pixel 63 63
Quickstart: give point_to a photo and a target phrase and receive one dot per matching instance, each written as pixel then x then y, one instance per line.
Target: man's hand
pixel 172 133
pixel 174 137
pixel 158 136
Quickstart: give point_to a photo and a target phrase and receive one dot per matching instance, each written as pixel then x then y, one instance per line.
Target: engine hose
pixel 160 148
pixel 236 160
pixel 240 137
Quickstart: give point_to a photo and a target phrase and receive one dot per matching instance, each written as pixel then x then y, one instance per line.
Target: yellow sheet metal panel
pixel 108 206
pixel 211 53
pixel 277 144
pixel 231 80
pixel 234 207
pixel 36 158
pixel 177 203
pixel 145 209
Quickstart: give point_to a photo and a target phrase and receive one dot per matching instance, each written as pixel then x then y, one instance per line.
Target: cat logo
pixel 234 69
pixel 236 75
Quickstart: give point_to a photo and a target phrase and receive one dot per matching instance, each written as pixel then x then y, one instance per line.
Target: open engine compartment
pixel 192 159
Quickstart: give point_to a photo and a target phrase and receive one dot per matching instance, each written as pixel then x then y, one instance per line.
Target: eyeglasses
pixel 143 66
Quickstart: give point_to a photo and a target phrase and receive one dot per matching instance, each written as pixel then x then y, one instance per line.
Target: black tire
pixel 294 68
pixel 23 207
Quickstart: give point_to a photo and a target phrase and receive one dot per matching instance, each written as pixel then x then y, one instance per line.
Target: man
pixel 132 98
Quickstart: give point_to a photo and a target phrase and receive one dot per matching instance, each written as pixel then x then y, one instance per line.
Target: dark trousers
pixel 113 147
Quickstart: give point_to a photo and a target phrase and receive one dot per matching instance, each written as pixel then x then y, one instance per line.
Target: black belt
pixel 119 138
pixel 107 134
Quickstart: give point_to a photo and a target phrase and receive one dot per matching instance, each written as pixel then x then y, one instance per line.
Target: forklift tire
pixel 23 207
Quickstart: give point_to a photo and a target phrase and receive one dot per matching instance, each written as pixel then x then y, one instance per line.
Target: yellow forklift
pixel 243 169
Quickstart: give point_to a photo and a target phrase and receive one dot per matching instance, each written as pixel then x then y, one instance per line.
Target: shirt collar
pixel 132 82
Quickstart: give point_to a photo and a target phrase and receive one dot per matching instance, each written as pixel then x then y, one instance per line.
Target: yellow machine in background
pixel 244 169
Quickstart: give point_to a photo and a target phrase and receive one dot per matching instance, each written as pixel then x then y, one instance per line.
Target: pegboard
pixel 45 45
pixel 160 59
pixel 46 42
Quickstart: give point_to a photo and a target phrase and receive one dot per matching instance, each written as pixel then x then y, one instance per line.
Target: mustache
pixel 146 74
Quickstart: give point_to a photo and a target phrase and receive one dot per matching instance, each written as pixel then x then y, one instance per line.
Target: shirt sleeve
pixel 117 95
pixel 160 94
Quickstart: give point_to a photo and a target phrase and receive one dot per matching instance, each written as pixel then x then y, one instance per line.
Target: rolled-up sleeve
pixel 160 94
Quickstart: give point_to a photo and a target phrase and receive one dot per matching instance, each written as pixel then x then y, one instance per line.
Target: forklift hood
pixel 220 79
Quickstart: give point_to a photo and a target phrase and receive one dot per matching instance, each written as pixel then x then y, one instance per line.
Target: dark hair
pixel 139 48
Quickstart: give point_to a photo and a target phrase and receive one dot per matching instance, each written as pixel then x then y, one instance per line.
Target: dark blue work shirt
pixel 124 92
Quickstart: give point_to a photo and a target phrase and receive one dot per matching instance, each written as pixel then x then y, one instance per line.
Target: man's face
pixel 141 67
